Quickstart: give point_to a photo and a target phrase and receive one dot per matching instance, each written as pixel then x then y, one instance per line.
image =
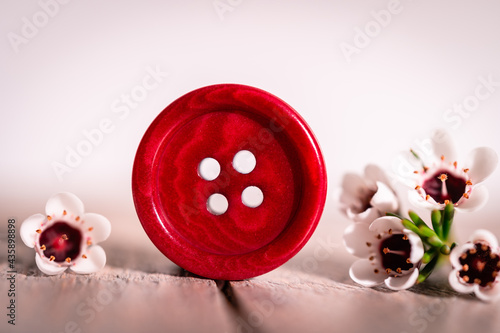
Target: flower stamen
pixel 52 258
pixel 444 190
pixel 38 231
pixel 68 260
pixel 64 237
pixel 43 247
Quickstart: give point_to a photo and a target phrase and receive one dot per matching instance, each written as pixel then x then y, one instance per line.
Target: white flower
pixel 390 253
pixel 363 199
pixel 66 237
pixel 444 180
pixel 476 266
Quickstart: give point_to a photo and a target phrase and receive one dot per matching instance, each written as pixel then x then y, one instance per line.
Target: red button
pixel 229 182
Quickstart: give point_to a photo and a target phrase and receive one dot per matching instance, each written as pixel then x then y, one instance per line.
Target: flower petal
pixel 384 199
pixel 477 199
pixel 48 267
pixel 96 259
pixel 374 173
pixel 363 272
pixel 354 185
pixel 64 201
pixel 99 226
pixel 460 287
pixel 482 235
pixel 402 282
pixel 383 224
pixel 416 245
pixel 443 145
pixel 29 227
pixel 416 200
pixel 457 252
pixel 488 294
pixel 368 216
pixel 356 235
pixel 482 161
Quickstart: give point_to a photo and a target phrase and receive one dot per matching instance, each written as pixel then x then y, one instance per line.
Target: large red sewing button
pixel 229 182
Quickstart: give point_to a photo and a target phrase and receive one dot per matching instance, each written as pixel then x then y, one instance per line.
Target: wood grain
pixel 141 290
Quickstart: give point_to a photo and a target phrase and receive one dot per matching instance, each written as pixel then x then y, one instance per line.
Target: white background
pixel 367 107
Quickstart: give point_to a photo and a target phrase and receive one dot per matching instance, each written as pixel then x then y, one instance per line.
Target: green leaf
pixel 436 222
pixel 425 231
pixel 409 225
pixel 416 219
pixel 434 241
pixel 394 215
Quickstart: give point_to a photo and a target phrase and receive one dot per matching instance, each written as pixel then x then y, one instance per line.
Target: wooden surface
pixel 141 290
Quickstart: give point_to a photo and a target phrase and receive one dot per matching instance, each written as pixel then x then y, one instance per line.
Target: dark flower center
pixel 365 199
pixel 455 186
pixel 395 251
pixel 479 265
pixel 61 241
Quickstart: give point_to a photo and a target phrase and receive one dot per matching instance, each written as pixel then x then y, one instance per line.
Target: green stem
pixel 427 270
pixel 447 220
pixel 429 255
